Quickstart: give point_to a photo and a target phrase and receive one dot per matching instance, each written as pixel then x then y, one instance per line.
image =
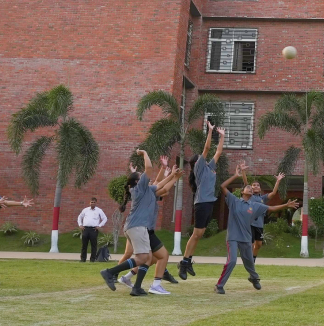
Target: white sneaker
pixel 158 290
pixel 125 281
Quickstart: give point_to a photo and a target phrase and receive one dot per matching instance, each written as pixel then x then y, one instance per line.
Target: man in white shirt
pixel 90 220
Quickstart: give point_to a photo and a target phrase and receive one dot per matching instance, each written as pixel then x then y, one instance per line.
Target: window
pixel 239 119
pixel 189 41
pixel 231 50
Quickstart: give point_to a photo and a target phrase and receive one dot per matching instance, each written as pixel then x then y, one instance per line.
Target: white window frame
pixel 209 48
pixel 228 123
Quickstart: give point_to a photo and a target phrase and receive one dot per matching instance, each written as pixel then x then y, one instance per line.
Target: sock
pixel 129 275
pixel 166 271
pixel 157 281
pixel 186 260
pixel 142 270
pixel 254 258
pixel 190 259
pixel 128 264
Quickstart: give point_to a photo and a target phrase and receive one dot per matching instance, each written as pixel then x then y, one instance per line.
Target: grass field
pixel 70 293
pixel 289 247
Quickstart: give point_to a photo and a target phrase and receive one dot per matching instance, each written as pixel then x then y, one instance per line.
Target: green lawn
pixel 69 293
pixel 289 247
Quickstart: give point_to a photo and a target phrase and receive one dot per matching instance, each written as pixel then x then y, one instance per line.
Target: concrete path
pixel 310 262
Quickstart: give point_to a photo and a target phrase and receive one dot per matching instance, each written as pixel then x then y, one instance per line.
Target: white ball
pixel 289 52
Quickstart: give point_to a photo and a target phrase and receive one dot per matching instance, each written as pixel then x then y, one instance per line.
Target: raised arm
pixel 166 188
pixel 243 169
pixel 26 202
pixel 168 178
pixel 2 202
pixel 230 180
pixel 219 150
pixel 289 204
pixel 279 177
pixel 208 140
pixel 164 165
pixel 147 163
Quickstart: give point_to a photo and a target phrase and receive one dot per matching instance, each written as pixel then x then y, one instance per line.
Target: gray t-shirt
pixel 241 214
pixel 152 222
pixel 143 204
pixel 205 175
pixel 259 222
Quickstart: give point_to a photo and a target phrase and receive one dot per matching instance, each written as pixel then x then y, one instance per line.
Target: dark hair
pixel 94 199
pixel 192 178
pixel 131 183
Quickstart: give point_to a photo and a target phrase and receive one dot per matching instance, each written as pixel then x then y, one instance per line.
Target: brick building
pixel 112 53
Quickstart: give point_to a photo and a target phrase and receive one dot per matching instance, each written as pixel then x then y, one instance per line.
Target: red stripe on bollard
pixel 56 214
pixel 305 225
pixel 178 217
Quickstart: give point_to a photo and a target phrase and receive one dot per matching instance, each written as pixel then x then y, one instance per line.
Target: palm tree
pixel 76 149
pixel 303 117
pixel 176 127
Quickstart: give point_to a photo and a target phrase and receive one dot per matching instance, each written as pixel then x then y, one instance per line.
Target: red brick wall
pixel 109 54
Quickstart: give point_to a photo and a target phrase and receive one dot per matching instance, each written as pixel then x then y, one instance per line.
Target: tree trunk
pixel 56 214
pixel 304 238
pixel 178 216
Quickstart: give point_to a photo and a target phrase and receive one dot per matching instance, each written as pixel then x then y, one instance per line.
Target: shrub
pixel 296 230
pixel 8 228
pixel 277 228
pixel 30 238
pixel 116 188
pixel 212 229
pixel 267 237
pixel 106 239
pixel 316 211
pixel 77 233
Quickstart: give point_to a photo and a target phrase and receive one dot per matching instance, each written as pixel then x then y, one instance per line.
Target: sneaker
pixel 190 269
pixel 136 292
pixel 168 277
pixel 108 277
pixel 219 289
pixel 255 282
pixel 182 270
pixel 125 281
pixel 158 290
pixel 115 278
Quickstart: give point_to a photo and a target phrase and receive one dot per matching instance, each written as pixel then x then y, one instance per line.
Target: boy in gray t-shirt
pixel 257 225
pixel 241 213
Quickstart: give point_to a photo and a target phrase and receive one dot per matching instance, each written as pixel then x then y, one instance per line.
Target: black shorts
pixel 155 242
pixel 257 233
pixel 203 214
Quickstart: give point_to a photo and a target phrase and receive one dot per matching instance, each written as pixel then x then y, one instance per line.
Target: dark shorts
pixel 203 214
pixel 155 242
pixel 257 233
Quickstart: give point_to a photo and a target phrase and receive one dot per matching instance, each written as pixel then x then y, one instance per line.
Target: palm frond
pixel 32 160
pixel 76 148
pixel 35 115
pixel 162 135
pixel 88 156
pixel 287 166
pixel 196 140
pixel 60 101
pixel 164 100
pixel 291 105
pixel 210 104
pixel 313 144
pixel 278 120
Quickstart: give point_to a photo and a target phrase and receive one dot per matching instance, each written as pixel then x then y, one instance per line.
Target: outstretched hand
pixel 28 202
pixel 292 203
pixel 279 176
pixel 242 166
pixel 132 168
pixel 179 173
pixel 167 171
pixel 238 171
pixel 164 161
pixel 210 126
pixel 221 131
pixel 174 168
pixel 3 202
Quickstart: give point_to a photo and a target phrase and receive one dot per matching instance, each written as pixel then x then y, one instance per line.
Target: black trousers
pixel 91 234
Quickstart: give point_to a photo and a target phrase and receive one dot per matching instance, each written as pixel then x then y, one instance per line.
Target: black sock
pixel 166 271
pixel 254 258
pixel 142 270
pixel 128 264
pixel 158 278
pixel 190 259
